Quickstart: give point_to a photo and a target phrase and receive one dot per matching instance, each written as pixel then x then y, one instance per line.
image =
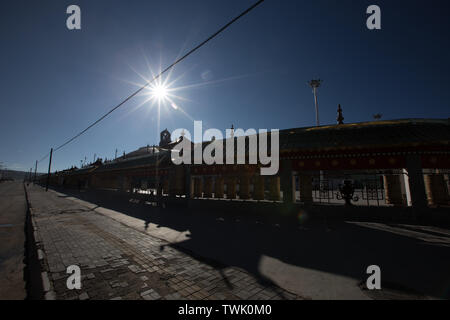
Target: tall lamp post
pixel 315 84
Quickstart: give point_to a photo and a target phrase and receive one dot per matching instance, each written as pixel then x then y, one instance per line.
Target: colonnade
pixel 237 187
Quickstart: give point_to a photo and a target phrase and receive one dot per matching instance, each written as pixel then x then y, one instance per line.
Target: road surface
pixel 12 240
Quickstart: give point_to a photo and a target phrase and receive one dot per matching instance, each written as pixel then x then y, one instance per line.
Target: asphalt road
pixel 12 240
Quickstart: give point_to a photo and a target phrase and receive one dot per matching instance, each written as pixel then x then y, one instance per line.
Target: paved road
pixel 119 262
pixel 12 240
pixel 311 260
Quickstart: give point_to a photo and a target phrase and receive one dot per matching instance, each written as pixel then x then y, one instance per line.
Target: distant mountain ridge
pixel 16 175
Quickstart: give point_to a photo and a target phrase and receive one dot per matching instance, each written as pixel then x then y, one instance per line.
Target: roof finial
pixel 377 116
pixel 340 117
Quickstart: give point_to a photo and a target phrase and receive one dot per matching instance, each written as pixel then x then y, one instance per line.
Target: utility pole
pixel 35 170
pixel 315 84
pixel 49 168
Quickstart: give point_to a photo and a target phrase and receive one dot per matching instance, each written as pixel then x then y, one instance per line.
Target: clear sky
pixel 55 82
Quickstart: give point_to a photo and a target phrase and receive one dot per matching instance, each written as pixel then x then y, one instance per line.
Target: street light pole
pixel 315 84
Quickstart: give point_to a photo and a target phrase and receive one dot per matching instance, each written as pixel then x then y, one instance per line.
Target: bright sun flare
pixel 159 92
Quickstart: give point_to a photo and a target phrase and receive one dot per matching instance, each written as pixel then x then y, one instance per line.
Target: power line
pixel 159 75
pixel 44 157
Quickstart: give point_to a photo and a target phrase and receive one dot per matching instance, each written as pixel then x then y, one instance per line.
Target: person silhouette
pixel 347 190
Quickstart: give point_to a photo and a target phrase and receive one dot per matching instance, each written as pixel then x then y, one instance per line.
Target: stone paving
pixel 118 262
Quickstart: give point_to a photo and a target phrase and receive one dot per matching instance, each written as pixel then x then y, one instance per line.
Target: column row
pixel 250 187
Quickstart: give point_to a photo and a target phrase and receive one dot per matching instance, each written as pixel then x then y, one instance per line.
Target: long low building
pixel 381 163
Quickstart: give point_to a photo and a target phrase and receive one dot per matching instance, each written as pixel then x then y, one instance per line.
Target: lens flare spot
pixel 302 216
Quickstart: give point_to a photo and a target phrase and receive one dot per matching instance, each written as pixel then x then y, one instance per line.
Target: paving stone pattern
pixel 118 262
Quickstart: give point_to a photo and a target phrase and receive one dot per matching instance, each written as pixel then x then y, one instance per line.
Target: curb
pixel 49 294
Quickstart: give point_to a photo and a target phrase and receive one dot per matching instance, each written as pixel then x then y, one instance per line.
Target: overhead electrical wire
pixel 157 76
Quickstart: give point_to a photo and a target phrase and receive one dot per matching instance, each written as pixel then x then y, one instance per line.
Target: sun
pixel 159 92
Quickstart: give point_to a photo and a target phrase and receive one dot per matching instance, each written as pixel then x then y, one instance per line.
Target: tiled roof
pixel 368 134
pixel 135 162
pixel 395 133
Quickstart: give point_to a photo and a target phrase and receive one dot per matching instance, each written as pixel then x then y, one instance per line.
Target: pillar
pixel 244 188
pixel 95 181
pixel 179 181
pixel 231 188
pixel 188 187
pixel 287 182
pixel 218 188
pixel 274 188
pixel 159 189
pixel 393 190
pixel 258 188
pixel 436 190
pixel 208 187
pixel 198 187
pixel 126 184
pixel 305 186
pixel 165 186
pixel 416 181
pixel 172 184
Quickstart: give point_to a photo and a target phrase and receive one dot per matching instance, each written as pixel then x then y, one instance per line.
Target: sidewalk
pixel 120 262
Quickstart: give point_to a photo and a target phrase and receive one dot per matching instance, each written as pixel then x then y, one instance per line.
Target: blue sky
pixel 55 82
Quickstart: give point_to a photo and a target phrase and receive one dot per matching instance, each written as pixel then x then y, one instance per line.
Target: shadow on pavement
pixel 340 248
